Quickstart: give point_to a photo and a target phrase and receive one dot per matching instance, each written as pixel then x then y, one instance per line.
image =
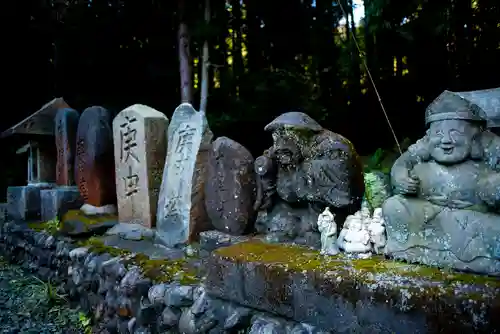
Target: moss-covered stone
pixel 297 258
pixel 77 223
pixel 50 227
pixel 274 277
pixel 158 270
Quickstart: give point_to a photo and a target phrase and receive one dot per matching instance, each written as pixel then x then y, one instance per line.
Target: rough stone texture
pixel 56 202
pixel 121 299
pixel 131 231
pixel 140 140
pixel 75 223
pixel 24 203
pixel 230 190
pixel 445 209
pixel 352 296
pixel 4 215
pixel 66 125
pixel 181 207
pixel 94 163
pixel 307 169
pixel 211 240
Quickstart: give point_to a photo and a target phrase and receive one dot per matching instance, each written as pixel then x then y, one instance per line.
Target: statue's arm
pixel 265 169
pixel 415 154
pixel 491 145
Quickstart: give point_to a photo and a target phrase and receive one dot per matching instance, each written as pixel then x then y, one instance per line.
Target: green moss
pixel 158 270
pixel 51 226
pixel 297 258
pixel 97 246
pixel 86 219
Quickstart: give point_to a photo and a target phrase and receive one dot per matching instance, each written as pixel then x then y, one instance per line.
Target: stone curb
pixel 121 300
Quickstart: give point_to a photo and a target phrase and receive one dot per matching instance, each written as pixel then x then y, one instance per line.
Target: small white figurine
pixel 377 231
pixel 354 237
pixel 328 229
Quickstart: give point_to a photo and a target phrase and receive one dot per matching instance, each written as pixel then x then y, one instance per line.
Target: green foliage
pixel 53 225
pixel 376 189
pixel 48 293
pixel 85 323
pixel 39 300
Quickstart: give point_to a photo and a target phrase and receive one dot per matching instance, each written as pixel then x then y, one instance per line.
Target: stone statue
pixel 446 208
pixel 376 229
pixel 355 237
pixel 307 169
pixel 328 229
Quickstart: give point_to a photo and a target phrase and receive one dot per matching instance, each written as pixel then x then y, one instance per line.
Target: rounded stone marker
pixel 230 190
pixel 94 163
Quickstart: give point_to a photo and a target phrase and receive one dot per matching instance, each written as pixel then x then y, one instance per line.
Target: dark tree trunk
pixel 205 64
pixel 238 66
pixel 185 67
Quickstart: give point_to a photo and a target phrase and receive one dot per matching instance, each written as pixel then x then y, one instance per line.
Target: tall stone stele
pixel 94 162
pixel 66 125
pixel 446 208
pixel 65 196
pixel 140 144
pixel 181 208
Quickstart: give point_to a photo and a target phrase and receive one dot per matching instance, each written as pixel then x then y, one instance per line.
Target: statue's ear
pixel 477 150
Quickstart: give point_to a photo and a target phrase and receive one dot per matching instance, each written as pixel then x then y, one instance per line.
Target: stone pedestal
pixel 340 295
pixel 56 202
pixel 24 202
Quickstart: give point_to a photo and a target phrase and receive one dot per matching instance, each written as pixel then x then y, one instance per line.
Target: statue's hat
pixel 450 105
pixel 489 101
pixel 294 119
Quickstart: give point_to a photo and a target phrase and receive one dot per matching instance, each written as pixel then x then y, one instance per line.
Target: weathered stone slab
pixel 66 125
pixel 24 203
pixel 94 164
pixel 56 202
pixel 353 296
pixel 140 140
pixel 211 240
pixel 130 231
pixel 181 207
pixel 230 190
pixel 75 223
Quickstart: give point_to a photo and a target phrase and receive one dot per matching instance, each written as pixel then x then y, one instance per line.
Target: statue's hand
pixel 405 184
pixel 439 200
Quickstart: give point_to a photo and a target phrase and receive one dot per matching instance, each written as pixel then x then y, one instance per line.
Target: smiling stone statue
pixel 446 211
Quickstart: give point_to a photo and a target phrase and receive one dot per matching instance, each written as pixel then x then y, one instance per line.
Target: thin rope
pixel 371 80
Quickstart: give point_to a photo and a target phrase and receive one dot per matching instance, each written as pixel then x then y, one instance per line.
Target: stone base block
pixel 341 295
pixel 56 202
pixel 24 202
pixel 211 240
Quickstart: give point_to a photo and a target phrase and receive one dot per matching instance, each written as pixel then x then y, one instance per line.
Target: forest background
pixel 265 58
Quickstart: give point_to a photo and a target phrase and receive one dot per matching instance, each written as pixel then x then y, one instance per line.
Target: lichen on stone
pixel 158 270
pixel 375 273
pixel 87 219
pixel 50 227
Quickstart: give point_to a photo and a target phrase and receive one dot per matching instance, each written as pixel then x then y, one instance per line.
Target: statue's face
pixel 287 147
pixel 451 140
